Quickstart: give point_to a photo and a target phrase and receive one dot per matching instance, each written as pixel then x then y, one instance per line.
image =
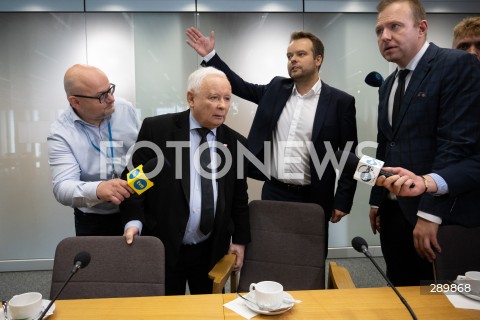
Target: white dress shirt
pixel 291 158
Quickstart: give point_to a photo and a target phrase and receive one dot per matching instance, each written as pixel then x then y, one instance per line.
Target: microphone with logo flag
pixel 81 260
pixel 139 178
pixel 366 169
pixel 360 245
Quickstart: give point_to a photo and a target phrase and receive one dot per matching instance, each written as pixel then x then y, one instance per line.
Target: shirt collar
pixel 413 64
pixel 315 90
pixel 195 125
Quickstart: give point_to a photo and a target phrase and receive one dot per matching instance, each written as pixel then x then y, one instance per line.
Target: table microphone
pixel 374 79
pixel 361 245
pixel 81 260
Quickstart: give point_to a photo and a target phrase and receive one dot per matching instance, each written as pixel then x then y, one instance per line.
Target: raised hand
pixel 199 42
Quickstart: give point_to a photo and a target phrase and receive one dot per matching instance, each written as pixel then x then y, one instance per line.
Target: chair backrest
pixel 460 251
pixel 339 277
pixel 288 245
pixel 116 269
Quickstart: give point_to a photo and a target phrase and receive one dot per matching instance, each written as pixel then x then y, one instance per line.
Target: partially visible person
pixel 295 114
pixel 87 145
pixel 466 36
pixel 172 209
pixel 424 128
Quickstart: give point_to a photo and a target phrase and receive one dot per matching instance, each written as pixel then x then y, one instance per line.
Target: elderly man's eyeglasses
pixel 102 97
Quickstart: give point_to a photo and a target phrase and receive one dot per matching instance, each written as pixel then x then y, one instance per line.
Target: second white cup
pixel 473 278
pixel 268 294
pixel 25 306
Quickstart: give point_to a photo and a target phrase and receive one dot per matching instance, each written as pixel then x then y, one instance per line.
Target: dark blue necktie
pixel 397 100
pixel 207 214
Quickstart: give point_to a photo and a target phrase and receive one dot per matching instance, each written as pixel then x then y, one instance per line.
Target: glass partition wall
pixel 146 56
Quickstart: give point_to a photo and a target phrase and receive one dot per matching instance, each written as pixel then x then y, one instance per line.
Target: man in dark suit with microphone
pixel 175 208
pixel 301 110
pixel 426 127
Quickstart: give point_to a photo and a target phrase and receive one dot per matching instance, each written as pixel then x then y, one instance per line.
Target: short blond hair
pixel 468 27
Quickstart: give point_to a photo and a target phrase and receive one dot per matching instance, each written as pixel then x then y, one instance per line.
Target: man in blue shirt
pixel 87 145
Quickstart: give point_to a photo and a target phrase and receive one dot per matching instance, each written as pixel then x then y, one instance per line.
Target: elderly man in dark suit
pixel 426 128
pixel 293 115
pixel 176 207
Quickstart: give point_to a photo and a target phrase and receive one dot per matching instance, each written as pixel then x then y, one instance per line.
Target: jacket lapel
pixel 383 123
pixel 279 105
pixel 220 208
pixel 181 134
pixel 419 74
pixel 323 107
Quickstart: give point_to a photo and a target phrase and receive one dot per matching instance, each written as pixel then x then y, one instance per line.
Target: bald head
pixel 81 79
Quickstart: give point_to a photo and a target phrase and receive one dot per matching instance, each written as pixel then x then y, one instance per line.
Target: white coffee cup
pixel 25 306
pixel 268 294
pixel 473 278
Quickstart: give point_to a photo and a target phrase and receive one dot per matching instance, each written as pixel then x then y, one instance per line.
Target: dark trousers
pixel 404 265
pixel 89 224
pixel 278 191
pixel 193 266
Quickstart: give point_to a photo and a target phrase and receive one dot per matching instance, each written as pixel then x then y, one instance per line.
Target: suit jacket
pixel 437 127
pixel 164 209
pixel 334 123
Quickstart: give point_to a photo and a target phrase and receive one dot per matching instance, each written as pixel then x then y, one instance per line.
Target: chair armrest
pixel 222 271
pixel 339 277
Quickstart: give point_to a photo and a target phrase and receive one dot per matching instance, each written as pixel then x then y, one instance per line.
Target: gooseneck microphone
pixel 374 79
pixel 81 260
pixel 360 245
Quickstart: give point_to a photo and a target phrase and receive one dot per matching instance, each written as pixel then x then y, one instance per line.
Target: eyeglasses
pixel 102 97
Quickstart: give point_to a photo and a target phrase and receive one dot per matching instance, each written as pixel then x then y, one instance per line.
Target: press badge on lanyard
pixel 114 174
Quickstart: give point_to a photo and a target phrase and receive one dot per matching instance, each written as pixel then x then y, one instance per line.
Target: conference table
pixel 360 303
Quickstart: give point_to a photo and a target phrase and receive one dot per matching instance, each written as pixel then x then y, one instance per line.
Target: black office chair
pixel 116 269
pixel 460 247
pixel 288 246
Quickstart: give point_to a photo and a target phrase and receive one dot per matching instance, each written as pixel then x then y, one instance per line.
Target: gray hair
pixel 196 78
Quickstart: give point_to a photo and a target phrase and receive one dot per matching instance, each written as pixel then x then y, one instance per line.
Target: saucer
pixel 284 307
pixel 471 294
pixel 44 305
pixel 49 312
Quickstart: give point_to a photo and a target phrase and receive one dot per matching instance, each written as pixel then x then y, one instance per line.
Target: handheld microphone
pixel 360 245
pixel 81 260
pixel 366 169
pixel 138 178
pixel 374 79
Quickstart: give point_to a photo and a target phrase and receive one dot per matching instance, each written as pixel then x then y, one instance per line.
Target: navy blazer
pixel 164 209
pixel 334 123
pixel 437 127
